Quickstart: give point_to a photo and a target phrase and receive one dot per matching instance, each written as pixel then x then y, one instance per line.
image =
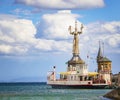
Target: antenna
pixel 103 48
pixel 88 58
pixel 99 43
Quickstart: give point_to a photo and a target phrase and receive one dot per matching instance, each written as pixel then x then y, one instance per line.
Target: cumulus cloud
pixel 107 32
pixel 52 45
pixel 17 37
pixel 20 36
pixel 15 34
pixel 16 30
pixel 56 25
pixel 63 4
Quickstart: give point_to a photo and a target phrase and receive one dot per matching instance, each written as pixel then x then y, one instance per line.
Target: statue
pixel 76 39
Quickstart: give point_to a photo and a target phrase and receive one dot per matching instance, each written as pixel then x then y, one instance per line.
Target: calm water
pixel 40 91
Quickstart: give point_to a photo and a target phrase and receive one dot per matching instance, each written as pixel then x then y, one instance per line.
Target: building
pixel 104 65
pixel 116 79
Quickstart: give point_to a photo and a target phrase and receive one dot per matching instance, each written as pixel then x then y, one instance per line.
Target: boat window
pixel 88 82
pixel 85 78
pixel 75 77
pixel 80 78
pixel 71 77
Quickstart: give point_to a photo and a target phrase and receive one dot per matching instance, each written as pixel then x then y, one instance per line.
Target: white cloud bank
pixel 107 32
pixel 63 4
pixel 15 34
pixel 18 36
pixel 55 26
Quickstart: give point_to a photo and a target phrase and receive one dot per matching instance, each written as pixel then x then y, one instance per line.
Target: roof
pixel 76 60
pixel 104 59
pixel 99 53
pixel 65 73
pixel 89 73
pixel 92 73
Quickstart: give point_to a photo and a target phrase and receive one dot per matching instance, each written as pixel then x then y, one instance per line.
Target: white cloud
pixel 114 40
pixel 107 32
pixel 52 45
pixel 12 50
pixel 15 34
pixel 112 27
pixel 18 36
pixel 17 30
pixel 5 49
pixel 43 44
pixel 56 25
pixel 21 11
pixel 63 4
pixel 7 17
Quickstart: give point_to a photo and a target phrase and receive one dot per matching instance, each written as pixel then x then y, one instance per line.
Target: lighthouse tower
pixel 76 64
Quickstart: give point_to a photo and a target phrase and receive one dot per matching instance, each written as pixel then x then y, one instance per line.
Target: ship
pixel 77 75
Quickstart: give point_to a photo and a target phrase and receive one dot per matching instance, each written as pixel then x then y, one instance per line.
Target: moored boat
pixel 77 74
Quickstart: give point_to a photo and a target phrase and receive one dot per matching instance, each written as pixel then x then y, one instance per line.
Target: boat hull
pixel 78 86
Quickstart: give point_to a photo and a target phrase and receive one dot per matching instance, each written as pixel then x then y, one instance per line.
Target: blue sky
pixel 34 36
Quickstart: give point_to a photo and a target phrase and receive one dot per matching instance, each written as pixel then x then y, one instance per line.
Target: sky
pixel 34 36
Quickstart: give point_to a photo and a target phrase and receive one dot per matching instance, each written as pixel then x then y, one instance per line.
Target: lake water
pixel 41 91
